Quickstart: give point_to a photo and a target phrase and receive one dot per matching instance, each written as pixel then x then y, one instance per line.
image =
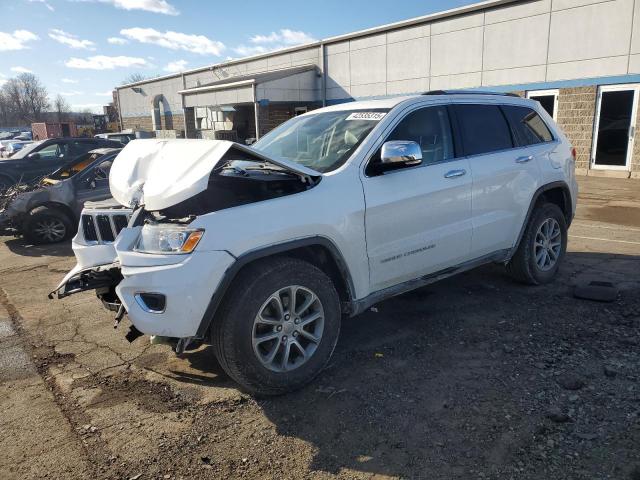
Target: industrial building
pixel 579 58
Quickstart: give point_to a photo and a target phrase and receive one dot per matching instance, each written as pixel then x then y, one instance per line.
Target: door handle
pixel 525 159
pixel 455 173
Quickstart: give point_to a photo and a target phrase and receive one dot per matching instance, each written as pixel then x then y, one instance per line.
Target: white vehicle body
pixel 387 233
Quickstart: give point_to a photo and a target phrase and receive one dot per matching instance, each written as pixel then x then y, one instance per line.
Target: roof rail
pixel 470 92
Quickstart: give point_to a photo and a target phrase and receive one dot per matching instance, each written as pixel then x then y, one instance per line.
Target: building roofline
pixel 453 12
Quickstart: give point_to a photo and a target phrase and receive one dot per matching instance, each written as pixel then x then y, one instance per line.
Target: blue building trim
pixel 582 82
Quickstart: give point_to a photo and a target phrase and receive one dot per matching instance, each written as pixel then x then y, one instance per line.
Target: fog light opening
pixel 151 302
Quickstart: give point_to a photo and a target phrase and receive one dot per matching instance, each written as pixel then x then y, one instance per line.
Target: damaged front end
pixel 154 267
pixel 15 203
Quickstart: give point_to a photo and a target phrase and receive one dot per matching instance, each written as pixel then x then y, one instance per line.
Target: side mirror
pixel 401 152
pixel 34 156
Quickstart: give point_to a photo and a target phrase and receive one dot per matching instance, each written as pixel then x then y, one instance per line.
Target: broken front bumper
pixel 185 283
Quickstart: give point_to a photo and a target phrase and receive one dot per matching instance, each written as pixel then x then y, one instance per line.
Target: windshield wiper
pixel 271 168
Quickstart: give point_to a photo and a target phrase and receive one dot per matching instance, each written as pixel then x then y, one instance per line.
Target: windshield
pixel 321 141
pixel 26 150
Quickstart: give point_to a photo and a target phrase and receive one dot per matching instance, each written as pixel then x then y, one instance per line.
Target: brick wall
pixel 576 112
pixel 190 122
pixel 145 123
pixel 273 115
pixel 137 123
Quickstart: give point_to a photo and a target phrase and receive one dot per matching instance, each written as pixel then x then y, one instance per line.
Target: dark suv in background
pixel 41 158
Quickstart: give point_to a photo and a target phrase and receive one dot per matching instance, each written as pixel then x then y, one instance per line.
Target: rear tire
pixel 47 225
pixel 255 326
pixel 541 248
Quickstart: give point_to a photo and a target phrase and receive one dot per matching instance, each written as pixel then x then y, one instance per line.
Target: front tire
pixel 541 248
pixel 47 225
pixel 278 326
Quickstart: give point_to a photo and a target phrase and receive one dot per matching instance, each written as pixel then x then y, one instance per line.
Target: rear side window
pixel 484 129
pixel 527 125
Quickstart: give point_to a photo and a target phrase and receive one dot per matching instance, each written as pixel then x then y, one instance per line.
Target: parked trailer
pixel 42 131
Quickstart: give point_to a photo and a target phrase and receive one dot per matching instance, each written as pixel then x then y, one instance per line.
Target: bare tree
pixel 133 78
pixel 35 95
pixel 26 97
pixel 62 108
pixel 6 113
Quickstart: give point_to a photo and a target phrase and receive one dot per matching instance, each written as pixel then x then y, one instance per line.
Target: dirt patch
pixel 130 387
pixel 621 215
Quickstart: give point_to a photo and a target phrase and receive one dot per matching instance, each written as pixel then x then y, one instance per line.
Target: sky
pixel 82 49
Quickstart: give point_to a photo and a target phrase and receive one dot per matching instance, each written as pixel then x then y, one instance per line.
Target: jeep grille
pixel 103 227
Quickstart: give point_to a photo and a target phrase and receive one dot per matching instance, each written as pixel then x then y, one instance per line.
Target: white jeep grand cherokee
pixel 261 251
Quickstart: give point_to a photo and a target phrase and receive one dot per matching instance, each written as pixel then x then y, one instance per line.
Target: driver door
pixel 94 185
pixel 418 219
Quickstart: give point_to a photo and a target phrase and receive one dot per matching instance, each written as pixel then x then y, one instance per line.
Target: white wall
pixel 542 40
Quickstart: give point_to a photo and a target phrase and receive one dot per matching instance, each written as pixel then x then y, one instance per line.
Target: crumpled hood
pixel 160 173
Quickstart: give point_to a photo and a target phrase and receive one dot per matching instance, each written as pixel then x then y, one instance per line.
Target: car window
pixel 83 147
pixel 527 125
pixel 430 128
pixel 101 170
pixel 54 151
pixel 97 176
pixel 484 129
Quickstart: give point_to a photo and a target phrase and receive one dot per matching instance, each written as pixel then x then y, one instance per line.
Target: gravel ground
pixel 473 377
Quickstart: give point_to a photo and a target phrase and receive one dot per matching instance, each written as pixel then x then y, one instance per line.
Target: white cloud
pixel 117 40
pixel 247 51
pixel 274 41
pixel 16 40
pixel 44 2
pixel 155 6
pixel 176 66
pixel 175 40
pixel 70 40
pixel 283 37
pixel 68 80
pixel 71 93
pixel 108 93
pixel 19 69
pixel 3 79
pixel 103 62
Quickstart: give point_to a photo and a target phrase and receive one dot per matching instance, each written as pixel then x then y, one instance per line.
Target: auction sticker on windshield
pixel 374 116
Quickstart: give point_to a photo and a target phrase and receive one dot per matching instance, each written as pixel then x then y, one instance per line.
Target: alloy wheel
pixel 547 244
pixel 50 230
pixel 288 328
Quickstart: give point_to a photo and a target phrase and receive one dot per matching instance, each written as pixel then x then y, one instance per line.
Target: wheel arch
pixel 557 193
pixel 58 206
pixel 319 251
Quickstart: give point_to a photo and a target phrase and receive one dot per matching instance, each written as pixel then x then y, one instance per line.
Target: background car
pixel 24 136
pixel 48 211
pixel 14 146
pixel 39 159
pixel 121 137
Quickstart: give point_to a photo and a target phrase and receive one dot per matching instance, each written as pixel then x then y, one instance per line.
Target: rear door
pixel 418 219
pixel 505 176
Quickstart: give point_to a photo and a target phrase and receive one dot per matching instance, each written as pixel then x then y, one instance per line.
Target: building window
pixel 548 100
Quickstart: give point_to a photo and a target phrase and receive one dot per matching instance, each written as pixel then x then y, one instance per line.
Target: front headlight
pixel 159 238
